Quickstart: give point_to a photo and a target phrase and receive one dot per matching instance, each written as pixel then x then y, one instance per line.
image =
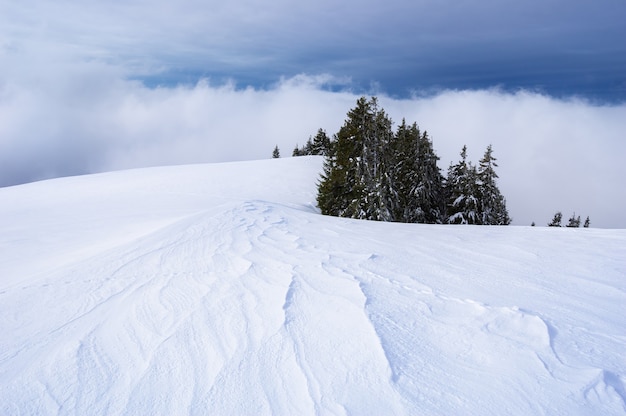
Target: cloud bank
pixel 553 154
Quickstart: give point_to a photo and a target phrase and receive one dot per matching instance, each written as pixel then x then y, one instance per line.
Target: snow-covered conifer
pixel 320 144
pixel 574 221
pixel 428 190
pixel 556 220
pixel 462 192
pixel 492 204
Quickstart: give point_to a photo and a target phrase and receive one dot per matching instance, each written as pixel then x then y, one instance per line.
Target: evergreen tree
pixel 378 186
pixel 462 192
pixel 340 190
pixel 428 190
pixel 574 221
pixel 587 223
pixel 492 204
pixel 276 153
pixel 355 182
pixel 320 144
pixel 556 221
pixel 403 168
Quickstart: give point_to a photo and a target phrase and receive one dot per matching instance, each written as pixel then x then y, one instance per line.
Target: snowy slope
pixel 219 289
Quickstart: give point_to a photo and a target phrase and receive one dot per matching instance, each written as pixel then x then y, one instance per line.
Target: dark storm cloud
pixel 557 46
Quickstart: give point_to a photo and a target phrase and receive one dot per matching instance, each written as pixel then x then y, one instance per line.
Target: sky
pixel 102 85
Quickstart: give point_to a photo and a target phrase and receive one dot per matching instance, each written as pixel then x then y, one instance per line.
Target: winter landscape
pixel 219 289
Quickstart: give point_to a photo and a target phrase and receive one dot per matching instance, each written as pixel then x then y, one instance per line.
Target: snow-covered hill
pixel 219 290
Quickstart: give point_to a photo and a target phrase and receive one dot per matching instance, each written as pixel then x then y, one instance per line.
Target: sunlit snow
pixel 220 290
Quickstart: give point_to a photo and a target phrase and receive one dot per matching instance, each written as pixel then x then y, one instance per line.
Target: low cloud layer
pixel 553 154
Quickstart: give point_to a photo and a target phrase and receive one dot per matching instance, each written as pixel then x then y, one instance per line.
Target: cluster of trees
pixel 374 173
pixel 473 195
pixel 574 221
pixel 318 145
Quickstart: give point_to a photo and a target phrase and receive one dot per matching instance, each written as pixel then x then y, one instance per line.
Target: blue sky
pixel 100 85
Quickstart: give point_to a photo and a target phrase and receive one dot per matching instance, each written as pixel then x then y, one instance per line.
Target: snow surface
pixel 219 289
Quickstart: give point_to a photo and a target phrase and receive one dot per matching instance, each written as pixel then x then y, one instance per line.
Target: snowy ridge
pixel 219 289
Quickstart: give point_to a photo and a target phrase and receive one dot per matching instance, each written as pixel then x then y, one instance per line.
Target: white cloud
pixel 553 154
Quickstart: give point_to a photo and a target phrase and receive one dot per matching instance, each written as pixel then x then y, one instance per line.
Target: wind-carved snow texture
pixel 219 289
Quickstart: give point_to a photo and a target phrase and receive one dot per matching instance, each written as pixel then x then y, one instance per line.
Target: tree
pixel 574 222
pixel 340 189
pixel 403 167
pixel 374 165
pixel 320 144
pixel 462 192
pixel 587 223
pixel 556 221
pixel 492 204
pixel 428 189
pixel 356 182
pixel 276 153
pixel 306 149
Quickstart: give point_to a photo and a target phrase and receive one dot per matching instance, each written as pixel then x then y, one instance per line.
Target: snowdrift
pixel 220 289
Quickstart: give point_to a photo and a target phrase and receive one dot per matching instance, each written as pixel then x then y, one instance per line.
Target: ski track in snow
pixel 252 305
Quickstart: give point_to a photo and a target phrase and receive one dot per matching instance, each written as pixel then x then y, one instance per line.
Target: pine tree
pixel 356 182
pixel 320 144
pixel 556 221
pixel 492 204
pixel 340 191
pixel 428 190
pixel 403 168
pixel 378 186
pixel 574 222
pixel 462 192
pixel 276 153
pixel 587 223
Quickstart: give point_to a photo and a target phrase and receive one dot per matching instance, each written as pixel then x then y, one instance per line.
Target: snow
pixel 220 289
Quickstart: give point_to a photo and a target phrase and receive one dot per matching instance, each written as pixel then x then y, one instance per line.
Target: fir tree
pixel 276 153
pixel 320 144
pixel 556 221
pixel 403 167
pixel 462 192
pixel 428 190
pixel 340 190
pixel 492 204
pixel 574 221
pixel 356 182
pixel 375 178
pixel 304 151
pixel 587 223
